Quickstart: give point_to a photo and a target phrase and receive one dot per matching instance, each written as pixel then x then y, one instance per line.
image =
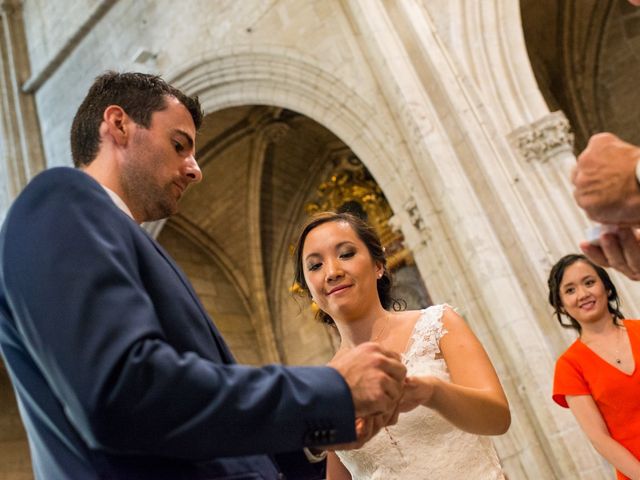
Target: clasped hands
pixel 607 189
pixel 379 387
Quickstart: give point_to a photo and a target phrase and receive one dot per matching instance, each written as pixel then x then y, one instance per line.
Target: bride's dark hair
pixel 369 237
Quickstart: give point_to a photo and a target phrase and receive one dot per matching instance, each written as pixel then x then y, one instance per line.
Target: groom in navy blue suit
pixel 118 370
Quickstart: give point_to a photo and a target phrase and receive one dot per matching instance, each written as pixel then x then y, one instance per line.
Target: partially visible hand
pixel 620 250
pixel 417 392
pixel 375 377
pixel 605 181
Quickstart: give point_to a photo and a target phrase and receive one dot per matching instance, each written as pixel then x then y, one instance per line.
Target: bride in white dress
pixel 452 397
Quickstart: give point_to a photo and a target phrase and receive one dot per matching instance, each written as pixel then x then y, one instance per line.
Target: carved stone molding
pixel 414 215
pixel 544 138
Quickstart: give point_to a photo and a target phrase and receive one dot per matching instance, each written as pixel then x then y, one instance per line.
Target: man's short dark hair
pixel 139 95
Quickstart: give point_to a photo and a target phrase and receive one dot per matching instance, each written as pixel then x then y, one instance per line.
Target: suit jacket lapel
pixel 222 345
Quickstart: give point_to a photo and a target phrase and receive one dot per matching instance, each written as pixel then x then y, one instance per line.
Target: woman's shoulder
pixel 633 327
pixel 443 314
pixel 573 354
pixel 440 310
pixel 430 319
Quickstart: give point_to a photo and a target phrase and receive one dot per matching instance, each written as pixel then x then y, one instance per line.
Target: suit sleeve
pixel 75 290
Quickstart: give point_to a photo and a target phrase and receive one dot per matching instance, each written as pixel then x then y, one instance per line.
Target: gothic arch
pixel 245 76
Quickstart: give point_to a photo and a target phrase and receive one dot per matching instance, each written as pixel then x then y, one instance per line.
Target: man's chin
pixel 161 213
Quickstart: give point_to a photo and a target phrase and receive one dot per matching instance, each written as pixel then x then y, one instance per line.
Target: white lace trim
pixel 426 336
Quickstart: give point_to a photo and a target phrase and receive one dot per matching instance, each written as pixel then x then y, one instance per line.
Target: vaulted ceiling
pixel 586 58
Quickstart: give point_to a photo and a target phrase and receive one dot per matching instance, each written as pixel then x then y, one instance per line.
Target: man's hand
pixel 375 377
pixel 619 250
pixel 605 181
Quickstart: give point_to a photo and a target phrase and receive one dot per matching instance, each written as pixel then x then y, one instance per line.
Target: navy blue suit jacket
pixel 118 370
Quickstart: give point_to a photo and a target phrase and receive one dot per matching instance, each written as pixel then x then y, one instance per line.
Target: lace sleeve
pixel 427 333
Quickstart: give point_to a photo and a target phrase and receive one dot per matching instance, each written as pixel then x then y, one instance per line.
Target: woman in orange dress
pixel 596 377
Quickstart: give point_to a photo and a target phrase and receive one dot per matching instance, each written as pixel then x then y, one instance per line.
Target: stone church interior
pixel 450 125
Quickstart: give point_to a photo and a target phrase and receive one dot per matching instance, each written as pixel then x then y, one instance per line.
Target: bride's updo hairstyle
pixel 368 236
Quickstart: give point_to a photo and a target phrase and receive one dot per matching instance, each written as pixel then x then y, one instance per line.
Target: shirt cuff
pixel 313 458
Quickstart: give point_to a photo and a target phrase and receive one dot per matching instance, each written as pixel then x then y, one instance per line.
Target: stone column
pixel 470 245
pixel 270 132
pixel 21 153
pixel 546 146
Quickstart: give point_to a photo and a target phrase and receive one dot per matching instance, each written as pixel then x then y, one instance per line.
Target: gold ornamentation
pixel 349 186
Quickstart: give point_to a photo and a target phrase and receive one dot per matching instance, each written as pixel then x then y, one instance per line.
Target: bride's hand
pixel 417 391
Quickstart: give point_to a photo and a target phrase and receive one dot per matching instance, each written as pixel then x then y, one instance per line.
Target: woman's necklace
pixel 608 350
pixel 618 357
pixel 382 330
pixel 392 439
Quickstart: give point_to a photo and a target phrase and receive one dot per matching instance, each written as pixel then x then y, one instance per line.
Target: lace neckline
pixel 426 333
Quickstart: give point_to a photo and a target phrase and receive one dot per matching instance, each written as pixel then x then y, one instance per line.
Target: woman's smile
pixel 339 289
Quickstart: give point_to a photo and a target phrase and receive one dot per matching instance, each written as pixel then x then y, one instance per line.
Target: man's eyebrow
pixel 185 135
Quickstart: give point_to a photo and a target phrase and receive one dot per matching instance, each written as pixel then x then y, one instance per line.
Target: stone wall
pixel 439 101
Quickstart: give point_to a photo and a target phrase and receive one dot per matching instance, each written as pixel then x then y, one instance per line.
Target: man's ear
pixel 116 124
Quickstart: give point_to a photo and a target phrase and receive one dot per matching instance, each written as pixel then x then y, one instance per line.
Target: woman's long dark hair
pixel 369 237
pixel 555 279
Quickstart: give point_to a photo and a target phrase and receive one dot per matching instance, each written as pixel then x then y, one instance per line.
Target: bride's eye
pixel 312 267
pixel 347 254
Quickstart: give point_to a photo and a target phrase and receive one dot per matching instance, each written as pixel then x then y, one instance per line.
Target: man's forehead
pixel 177 113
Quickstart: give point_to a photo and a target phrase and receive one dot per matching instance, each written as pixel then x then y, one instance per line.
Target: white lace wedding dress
pixel 423 445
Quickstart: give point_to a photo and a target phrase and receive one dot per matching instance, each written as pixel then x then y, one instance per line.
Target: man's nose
pixel 192 170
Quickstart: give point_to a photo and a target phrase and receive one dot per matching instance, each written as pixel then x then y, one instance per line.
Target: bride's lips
pixel 339 288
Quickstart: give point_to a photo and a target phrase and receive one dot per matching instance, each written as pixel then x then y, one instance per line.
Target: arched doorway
pixel 265 168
